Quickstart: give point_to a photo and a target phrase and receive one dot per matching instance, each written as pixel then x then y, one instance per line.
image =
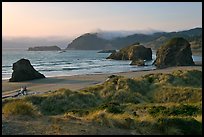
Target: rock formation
pixel 107 51
pixel 176 52
pixel 132 52
pixel 44 48
pixel 23 71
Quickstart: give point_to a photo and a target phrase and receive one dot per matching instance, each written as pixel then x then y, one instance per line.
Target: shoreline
pixel 77 82
pixel 100 73
pixel 198 63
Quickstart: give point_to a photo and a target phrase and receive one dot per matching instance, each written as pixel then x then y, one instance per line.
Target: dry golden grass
pixel 19 107
pixel 145 105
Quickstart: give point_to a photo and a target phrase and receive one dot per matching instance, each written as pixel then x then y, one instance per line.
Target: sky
pixel 69 19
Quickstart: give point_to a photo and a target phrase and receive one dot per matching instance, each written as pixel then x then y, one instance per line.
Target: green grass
pixel 177 94
pixel 62 101
pixel 177 110
pixel 184 126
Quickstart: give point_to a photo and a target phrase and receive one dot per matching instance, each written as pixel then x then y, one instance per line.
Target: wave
pixel 48 70
pixel 47 64
pixel 71 68
pixel 59 61
pixel 6 73
pixel 51 63
pixel 6 66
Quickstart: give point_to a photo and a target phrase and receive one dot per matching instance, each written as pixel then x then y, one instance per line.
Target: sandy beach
pixel 78 81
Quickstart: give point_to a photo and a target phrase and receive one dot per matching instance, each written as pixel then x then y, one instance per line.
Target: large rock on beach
pixel 23 71
pixel 132 52
pixel 176 52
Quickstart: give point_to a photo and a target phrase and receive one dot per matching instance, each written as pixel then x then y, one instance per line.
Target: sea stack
pixel 23 71
pixel 176 52
pixel 132 52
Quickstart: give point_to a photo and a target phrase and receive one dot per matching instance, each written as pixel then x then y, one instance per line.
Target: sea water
pixel 71 62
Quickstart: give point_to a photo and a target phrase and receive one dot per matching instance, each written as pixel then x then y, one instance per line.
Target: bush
pixel 181 110
pixel 19 107
pixel 167 94
pixel 112 107
pixel 187 126
pixel 184 110
pixel 157 110
pixel 65 101
pixel 191 78
pixel 36 100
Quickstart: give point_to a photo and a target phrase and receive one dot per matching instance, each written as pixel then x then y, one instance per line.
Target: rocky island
pixel 44 48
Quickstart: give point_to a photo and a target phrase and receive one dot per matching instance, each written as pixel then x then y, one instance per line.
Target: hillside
pixel 93 42
pixel 88 42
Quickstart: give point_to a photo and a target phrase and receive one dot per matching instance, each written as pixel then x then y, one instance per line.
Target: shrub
pixel 112 107
pixel 157 110
pixel 181 110
pixel 36 100
pixel 177 94
pixel 187 126
pixel 19 107
pixel 192 78
pixel 66 101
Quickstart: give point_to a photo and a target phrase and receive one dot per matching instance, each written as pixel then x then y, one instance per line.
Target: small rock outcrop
pixel 176 52
pixel 23 71
pixel 44 48
pixel 132 52
pixel 138 62
pixel 107 51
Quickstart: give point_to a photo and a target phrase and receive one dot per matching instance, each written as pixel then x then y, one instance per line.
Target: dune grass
pixel 152 104
pixel 19 107
pixel 62 101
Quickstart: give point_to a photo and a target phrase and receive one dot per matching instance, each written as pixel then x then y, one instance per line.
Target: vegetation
pixel 176 110
pixel 19 107
pixel 186 126
pixel 62 101
pixel 152 104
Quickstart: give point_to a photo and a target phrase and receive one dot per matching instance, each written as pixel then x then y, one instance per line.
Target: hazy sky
pixel 36 19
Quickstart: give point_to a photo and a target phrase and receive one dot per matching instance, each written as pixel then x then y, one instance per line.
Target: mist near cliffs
pixel 63 42
pixel 26 42
pixel 109 35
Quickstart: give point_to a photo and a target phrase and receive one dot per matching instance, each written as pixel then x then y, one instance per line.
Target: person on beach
pixel 23 90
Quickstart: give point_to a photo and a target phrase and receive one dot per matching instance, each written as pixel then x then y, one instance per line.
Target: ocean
pixel 71 62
